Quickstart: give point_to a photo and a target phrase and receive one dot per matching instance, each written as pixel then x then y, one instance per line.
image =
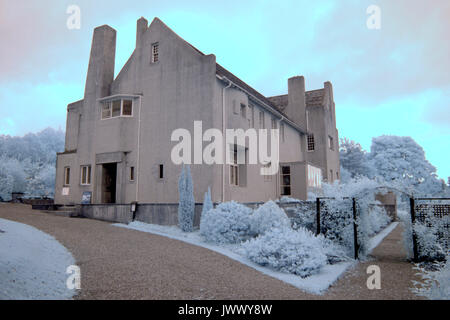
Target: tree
pixel 353 158
pixel 401 161
pixel 207 203
pixel 186 205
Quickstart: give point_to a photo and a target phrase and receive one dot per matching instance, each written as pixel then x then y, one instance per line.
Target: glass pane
pixel 83 175
pixel 286 170
pixel 89 175
pixel 116 108
pixel 127 108
pixel 106 111
pixel 286 180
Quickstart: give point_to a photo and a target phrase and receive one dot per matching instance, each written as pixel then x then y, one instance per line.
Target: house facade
pixel 119 136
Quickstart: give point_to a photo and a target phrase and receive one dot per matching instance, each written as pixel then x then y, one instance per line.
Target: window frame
pixel 282 184
pixel 331 143
pixel 109 105
pixel 66 181
pixel 310 141
pixel 234 168
pixel 132 174
pixel 154 53
pixel 85 175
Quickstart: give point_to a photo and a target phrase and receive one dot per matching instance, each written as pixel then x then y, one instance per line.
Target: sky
pixel 393 80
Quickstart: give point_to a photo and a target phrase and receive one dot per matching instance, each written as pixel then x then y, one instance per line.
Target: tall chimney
pixel 100 73
pixel 296 108
pixel 141 27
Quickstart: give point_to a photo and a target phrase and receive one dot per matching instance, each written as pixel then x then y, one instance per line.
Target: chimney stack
pixel 296 108
pixel 141 27
pixel 101 64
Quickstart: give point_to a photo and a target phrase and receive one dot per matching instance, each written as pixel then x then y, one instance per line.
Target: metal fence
pixel 319 222
pixel 433 213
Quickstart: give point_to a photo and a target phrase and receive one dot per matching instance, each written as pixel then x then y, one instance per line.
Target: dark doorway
pixel 109 179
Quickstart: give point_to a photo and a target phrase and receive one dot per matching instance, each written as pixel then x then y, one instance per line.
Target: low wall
pixel 107 212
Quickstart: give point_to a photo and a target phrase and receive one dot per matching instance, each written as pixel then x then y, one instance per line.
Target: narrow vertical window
pixel 330 142
pixel 252 116
pixel 311 145
pixel 274 123
pixel 67 176
pixel 131 173
pixel 85 175
pixel 282 131
pixel 116 106
pixel 106 110
pixel 234 168
pixel 285 181
pixel 155 52
pixel 331 176
pixel 161 171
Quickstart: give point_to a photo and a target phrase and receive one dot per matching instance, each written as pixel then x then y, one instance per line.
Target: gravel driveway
pixel 118 263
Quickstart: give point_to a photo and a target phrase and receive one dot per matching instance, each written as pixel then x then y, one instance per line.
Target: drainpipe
pixel 223 136
pixel 138 149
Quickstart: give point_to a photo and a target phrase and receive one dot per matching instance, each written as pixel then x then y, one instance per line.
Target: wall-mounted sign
pixel 65 191
pixel 86 197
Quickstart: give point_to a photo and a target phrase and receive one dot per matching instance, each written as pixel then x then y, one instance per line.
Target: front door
pixel 109 180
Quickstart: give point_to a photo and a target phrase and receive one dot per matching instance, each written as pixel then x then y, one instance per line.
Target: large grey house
pixel 118 137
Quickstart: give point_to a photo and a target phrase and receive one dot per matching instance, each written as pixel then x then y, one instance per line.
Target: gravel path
pixel 120 263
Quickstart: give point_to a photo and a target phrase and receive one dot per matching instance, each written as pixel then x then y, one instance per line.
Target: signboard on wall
pixel 65 191
pixel 86 197
pixel 314 177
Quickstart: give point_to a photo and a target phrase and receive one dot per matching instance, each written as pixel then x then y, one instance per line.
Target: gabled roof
pixel 315 98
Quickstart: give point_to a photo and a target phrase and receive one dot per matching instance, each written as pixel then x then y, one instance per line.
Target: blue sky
pixel 394 80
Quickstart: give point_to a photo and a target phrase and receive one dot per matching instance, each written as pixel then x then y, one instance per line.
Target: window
pixel 117 108
pixel 161 171
pixel 131 173
pixel 331 175
pixel 116 105
pixel 106 111
pixel 285 181
pixel 234 168
pixel 330 142
pixel 155 52
pixel 127 109
pixel 85 175
pixel 311 145
pixel 261 120
pixel 243 111
pixel 66 176
pixel 282 132
pixel 337 175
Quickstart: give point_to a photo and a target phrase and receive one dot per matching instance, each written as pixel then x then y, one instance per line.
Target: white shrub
pixel 186 207
pixel 229 222
pixel 436 285
pixel 287 250
pixel 267 217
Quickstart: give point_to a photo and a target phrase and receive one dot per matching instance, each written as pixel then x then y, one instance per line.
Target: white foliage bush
pixel 287 250
pixel 267 217
pixel 229 222
pixel 186 207
pixel 436 284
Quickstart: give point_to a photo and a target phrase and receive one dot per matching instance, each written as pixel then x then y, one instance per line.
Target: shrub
pixel 287 250
pixel 229 222
pixel 186 206
pixel 267 217
pixel 436 284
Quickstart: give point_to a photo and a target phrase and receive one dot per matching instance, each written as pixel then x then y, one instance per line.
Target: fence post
pixel 355 229
pixel 318 216
pixel 413 220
